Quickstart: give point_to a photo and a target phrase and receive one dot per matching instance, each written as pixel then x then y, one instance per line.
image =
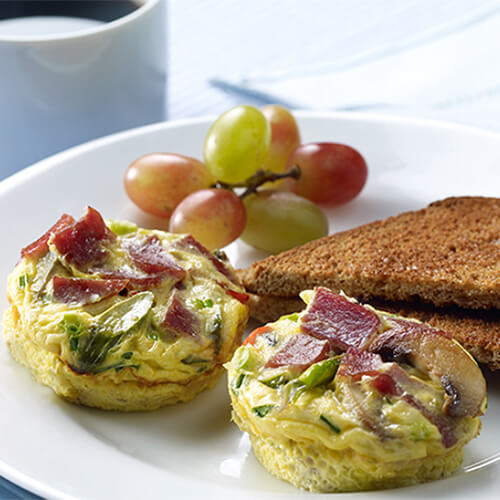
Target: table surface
pixel 228 52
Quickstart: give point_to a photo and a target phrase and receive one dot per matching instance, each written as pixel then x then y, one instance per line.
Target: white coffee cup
pixel 78 80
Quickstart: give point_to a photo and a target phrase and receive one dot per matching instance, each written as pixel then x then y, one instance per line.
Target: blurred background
pixel 413 57
pixel 423 58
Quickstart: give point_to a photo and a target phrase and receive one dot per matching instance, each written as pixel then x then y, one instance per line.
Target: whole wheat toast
pixel 440 264
pixel 477 330
pixel 445 254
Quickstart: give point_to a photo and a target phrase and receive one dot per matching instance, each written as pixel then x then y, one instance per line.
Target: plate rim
pixel 51 161
pixel 37 487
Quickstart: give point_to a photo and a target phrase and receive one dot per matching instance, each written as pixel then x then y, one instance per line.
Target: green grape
pixel 278 221
pixel 237 144
pixel 215 217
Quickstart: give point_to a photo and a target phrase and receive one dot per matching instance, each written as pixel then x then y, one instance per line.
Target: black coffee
pixel 99 10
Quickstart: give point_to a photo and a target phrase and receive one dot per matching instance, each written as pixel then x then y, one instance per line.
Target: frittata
pixel 342 397
pixel 117 317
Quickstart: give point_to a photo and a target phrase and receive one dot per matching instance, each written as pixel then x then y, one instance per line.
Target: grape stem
pixel 260 177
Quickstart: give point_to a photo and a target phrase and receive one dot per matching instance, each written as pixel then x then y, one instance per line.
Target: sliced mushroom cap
pixel 446 361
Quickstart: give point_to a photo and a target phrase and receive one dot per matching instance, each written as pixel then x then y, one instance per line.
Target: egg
pixel 330 404
pixel 117 317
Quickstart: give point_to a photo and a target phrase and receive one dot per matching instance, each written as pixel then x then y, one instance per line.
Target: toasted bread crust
pixel 445 254
pixel 478 331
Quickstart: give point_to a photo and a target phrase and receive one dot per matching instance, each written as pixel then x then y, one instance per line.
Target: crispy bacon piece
pixel 85 291
pixel 444 424
pixel 301 351
pixel 189 243
pixel 404 325
pixel 396 382
pixel 393 381
pixel 80 243
pixel 39 247
pixel 135 281
pixel 385 384
pixel 356 363
pixel 432 352
pixel 242 297
pixel 180 320
pixel 150 256
pixel 343 323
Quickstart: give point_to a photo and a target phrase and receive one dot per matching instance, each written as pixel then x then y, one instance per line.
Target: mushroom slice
pixel 434 351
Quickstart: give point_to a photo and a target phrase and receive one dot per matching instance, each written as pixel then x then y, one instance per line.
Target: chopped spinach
pixel 119 365
pixel 263 410
pixel 108 330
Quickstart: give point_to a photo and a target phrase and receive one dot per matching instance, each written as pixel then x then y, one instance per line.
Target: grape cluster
pixel 257 182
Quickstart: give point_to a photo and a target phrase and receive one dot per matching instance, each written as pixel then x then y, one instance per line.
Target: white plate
pixel 193 451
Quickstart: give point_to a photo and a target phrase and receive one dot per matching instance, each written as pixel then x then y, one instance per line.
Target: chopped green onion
pixel 127 355
pixel 24 280
pixel 121 227
pixel 201 304
pixel 320 373
pixel 193 360
pixel 73 343
pixel 220 255
pixel 270 338
pixel 388 401
pixel 420 431
pixel 152 332
pixel 217 323
pixel 236 384
pixel 330 424
pixel 262 411
pixel 118 366
pixel 242 359
pixel 291 317
pixel 240 380
pixel 296 388
pixel 73 325
pixel 275 381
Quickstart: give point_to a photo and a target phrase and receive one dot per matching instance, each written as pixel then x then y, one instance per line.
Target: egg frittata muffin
pixel 121 318
pixel 342 397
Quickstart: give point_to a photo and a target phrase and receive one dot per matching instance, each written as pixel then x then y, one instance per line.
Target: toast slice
pixel 446 254
pixel 477 330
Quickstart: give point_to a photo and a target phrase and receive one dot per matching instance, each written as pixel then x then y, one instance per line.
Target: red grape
pixel 158 182
pixel 285 137
pixel 215 217
pixel 332 174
